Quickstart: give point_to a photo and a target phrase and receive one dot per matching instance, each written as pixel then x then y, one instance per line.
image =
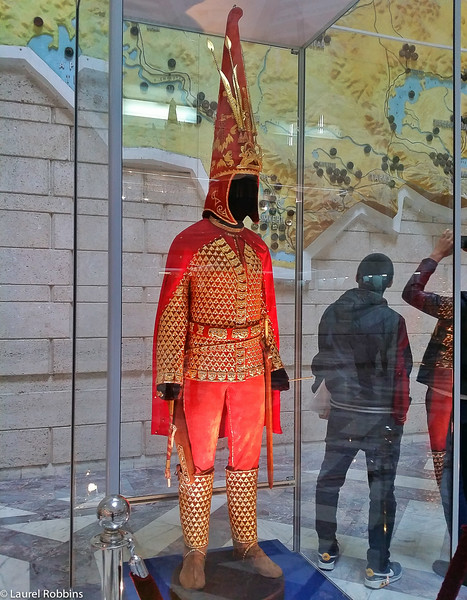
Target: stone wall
pixel 36 268
pixel 36 262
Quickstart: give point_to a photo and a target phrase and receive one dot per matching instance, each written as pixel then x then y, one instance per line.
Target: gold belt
pixel 225 333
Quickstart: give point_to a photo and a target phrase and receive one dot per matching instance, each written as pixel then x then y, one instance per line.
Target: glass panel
pixel 378 179
pixel 91 212
pixel 170 99
pixel 36 188
pixel 378 169
pixel 461 262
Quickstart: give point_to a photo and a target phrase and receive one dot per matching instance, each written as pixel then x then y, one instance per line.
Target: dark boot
pixel 192 573
pixel 440 567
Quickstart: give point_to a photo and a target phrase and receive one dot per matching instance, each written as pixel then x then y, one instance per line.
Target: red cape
pixel 184 246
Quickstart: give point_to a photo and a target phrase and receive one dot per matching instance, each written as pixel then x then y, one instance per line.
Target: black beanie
pixel 375 272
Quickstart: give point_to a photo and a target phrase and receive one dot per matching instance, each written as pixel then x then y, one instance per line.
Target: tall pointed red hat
pixel 235 150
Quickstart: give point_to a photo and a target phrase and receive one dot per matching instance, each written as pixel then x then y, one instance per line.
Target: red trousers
pixel 243 405
pixel 438 402
pixel 438 410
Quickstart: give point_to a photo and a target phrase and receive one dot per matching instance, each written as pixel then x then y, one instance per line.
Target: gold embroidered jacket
pixel 216 296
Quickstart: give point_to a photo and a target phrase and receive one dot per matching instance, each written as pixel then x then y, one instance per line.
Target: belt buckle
pixel 217 333
pixel 240 334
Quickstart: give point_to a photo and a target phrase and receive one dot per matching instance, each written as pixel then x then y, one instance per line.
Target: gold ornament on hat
pixel 235 103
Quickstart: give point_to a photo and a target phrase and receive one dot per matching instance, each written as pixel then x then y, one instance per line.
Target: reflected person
pixel 436 372
pixel 436 366
pixel 439 566
pixel 365 359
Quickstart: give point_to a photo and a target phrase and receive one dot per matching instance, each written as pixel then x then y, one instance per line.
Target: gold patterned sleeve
pixel 271 344
pixel 445 311
pixel 171 336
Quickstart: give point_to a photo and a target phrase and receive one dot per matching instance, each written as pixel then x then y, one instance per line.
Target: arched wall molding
pixel 25 58
pixel 407 198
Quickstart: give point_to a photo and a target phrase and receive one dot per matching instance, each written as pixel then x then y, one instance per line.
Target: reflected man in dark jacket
pixel 365 359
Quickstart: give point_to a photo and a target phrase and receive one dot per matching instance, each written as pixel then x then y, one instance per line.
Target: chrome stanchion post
pixel 112 513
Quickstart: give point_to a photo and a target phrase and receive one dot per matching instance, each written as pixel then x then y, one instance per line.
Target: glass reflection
pixel 90 211
pixel 364 360
pixel 378 178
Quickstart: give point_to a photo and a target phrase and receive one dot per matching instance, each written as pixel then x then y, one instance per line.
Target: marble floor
pixel 36 554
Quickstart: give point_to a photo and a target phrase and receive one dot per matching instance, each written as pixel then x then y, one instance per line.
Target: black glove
pixel 280 380
pixel 169 391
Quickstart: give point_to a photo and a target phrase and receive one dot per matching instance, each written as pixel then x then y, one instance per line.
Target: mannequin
pixel 216 315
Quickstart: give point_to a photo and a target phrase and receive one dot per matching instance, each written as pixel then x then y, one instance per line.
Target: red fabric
pixel 241 404
pixel 457 570
pixel 439 409
pixel 184 246
pixel 401 399
pixel 146 587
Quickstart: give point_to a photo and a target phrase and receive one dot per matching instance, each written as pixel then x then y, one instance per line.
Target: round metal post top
pixel 113 512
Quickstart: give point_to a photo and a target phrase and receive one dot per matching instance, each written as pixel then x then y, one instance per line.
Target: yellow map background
pixel 356 82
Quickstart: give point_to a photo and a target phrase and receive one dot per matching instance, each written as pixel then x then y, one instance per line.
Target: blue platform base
pixel 230 580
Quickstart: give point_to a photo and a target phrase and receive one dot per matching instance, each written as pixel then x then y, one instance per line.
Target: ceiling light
pixel 157 110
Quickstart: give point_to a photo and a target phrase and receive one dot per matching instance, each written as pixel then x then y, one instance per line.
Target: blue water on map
pixel 416 82
pixel 55 57
pixel 281 255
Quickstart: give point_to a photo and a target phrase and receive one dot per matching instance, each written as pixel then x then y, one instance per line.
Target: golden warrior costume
pixel 216 316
